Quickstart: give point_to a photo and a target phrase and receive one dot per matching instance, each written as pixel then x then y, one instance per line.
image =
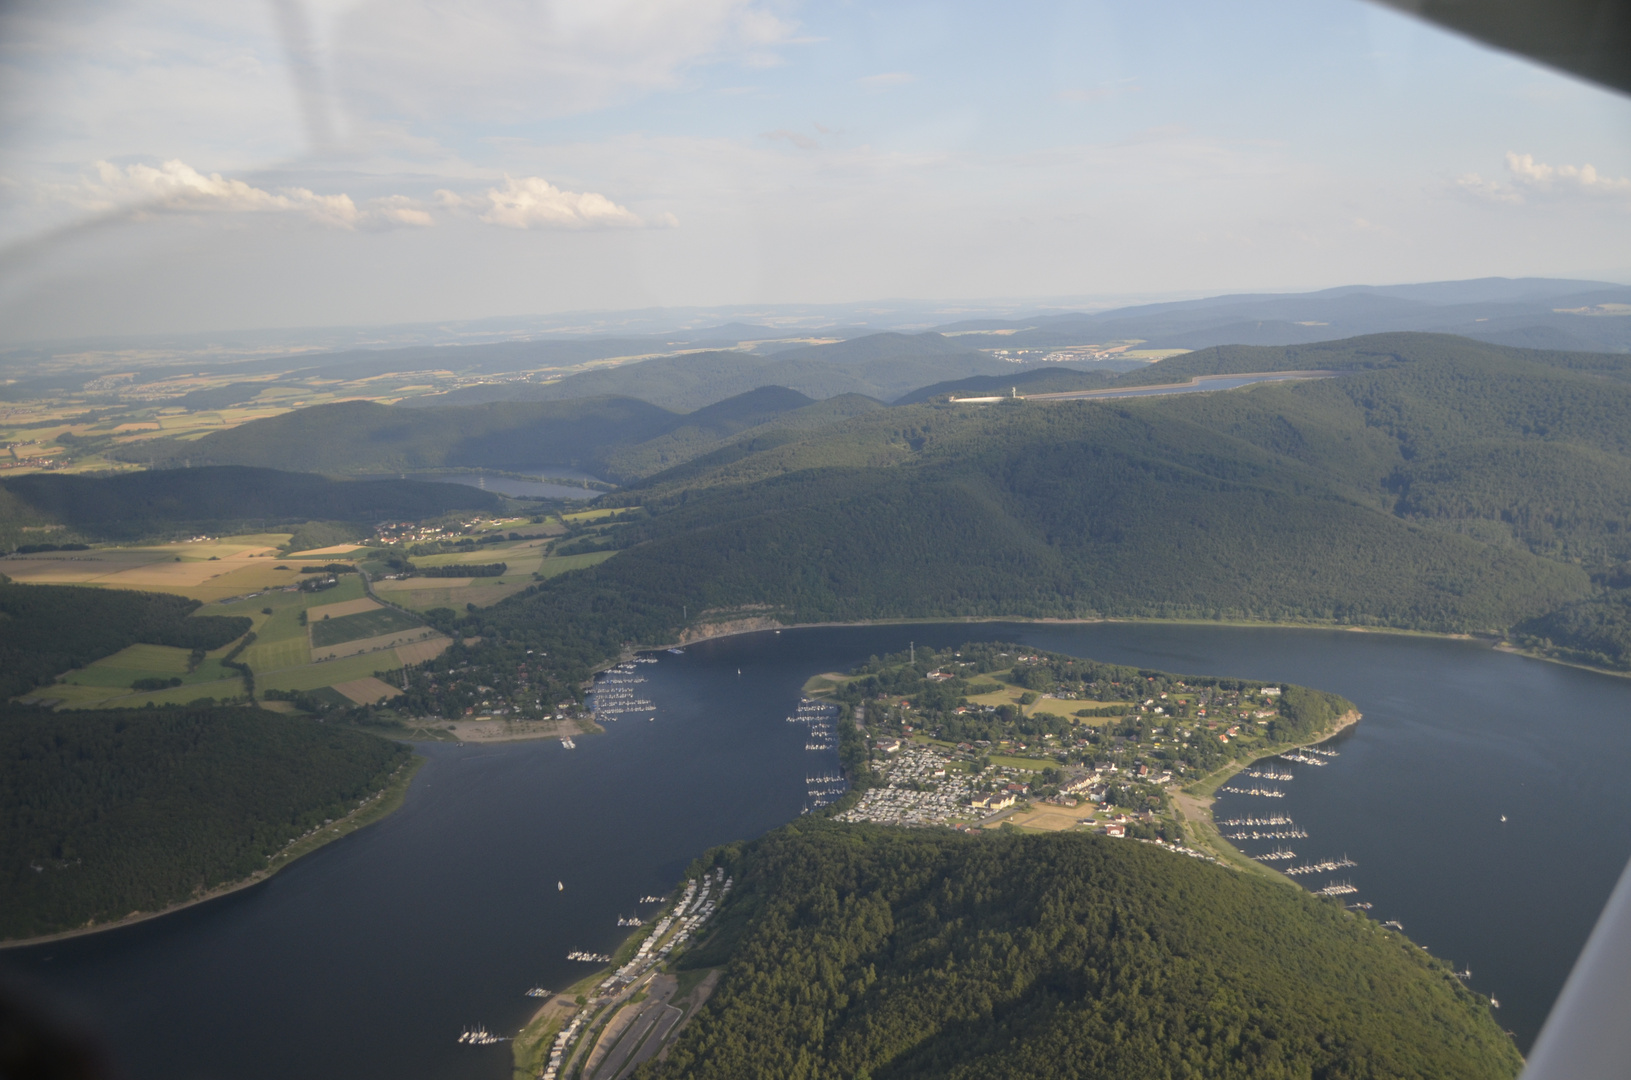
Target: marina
pixel 1319 867
pixel 578 1046
pixel 480 1036
pixel 614 695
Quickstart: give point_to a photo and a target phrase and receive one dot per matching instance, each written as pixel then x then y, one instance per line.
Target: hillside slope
pixel 1448 486
pixel 862 951
pixel 137 504
pixel 365 437
pixel 618 438
pixel 104 814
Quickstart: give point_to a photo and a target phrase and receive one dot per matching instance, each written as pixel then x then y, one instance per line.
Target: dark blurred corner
pixel 37 1043
pixel 1588 38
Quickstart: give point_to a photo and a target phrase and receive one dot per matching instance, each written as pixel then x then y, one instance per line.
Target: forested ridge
pixel 1436 484
pixel 863 951
pixel 107 813
pixel 160 502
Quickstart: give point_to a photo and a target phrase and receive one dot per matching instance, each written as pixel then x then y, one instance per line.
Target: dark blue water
pixel 366 958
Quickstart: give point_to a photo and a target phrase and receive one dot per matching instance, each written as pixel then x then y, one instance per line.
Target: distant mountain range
pixel 618 437
pixel 1538 313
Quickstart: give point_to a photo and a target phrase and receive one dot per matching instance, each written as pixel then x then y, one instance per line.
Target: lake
pixel 367 958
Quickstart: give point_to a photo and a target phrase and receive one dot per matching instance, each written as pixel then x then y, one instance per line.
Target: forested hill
pixel 1450 486
pixel 871 952
pixel 105 814
pixel 617 437
pixel 158 502
pixel 1366 353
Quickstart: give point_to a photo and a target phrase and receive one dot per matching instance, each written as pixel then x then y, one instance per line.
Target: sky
pixel 183 165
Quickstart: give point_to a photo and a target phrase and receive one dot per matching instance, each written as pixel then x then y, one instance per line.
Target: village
pixel 993 736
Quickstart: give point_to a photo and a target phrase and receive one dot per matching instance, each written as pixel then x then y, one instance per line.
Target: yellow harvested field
pixel 512 553
pixel 420 651
pixel 1050 818
pixel 344 607
pixel 74 568
pixel 206 570
pixel 334 549
pixel 372 644
pixel 367 691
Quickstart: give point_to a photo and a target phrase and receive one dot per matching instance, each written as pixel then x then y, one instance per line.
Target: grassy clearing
pixel 364 624
pixel 560 564
pixel 422 594
pixel 329 672
pixel 582 516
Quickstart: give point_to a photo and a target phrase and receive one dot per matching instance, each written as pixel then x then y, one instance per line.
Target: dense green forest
pixel 863 951
pixel 136 505
pixel 46 630
pixel 107 813
pixel 1595 632
pixel 616 437
pixel 1438 484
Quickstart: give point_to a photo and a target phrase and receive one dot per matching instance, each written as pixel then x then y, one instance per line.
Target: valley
pixel 1411 482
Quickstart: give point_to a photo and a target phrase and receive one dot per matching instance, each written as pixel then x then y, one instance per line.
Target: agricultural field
pixel 107 683
pixel 208 570
pixel 523 558
pixel 238 576
pixel 334 639
pixel 337 630
pixel 1015 695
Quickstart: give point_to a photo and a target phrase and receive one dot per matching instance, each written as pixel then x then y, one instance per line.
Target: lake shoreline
pixel 386 801
pixel 1201 796
pixel 755 625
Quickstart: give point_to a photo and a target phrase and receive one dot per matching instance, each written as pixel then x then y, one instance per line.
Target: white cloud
pixel 1531 179
pixel 802 141
pixel 175 186
pixel 532 202
pixel 887 79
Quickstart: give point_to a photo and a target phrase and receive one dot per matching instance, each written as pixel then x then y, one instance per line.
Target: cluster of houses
pixel 918 789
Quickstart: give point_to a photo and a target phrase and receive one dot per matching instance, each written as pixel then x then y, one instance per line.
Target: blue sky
pixel 160 170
